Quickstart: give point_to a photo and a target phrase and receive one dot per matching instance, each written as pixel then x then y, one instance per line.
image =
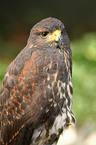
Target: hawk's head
pixel 49 32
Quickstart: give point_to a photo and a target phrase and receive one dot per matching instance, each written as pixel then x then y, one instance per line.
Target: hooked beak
pixel 55 36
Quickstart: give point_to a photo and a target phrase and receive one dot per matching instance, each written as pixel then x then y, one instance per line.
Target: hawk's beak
pixel 55 36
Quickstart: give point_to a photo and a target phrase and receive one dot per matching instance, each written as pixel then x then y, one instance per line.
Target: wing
pixel 35 88
pixel 22 96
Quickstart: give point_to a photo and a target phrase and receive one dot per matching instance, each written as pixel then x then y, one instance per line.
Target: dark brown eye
pixel 44 34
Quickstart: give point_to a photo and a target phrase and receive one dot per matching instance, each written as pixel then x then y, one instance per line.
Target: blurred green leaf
pixel 84 78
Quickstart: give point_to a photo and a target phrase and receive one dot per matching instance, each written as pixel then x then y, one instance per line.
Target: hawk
pixel 36 91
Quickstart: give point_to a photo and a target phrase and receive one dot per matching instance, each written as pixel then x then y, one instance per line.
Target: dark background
pixel 18 16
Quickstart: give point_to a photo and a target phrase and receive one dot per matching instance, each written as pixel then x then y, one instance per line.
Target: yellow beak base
pixel 55 36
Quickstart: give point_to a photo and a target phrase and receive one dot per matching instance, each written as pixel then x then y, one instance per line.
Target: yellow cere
pixel 54 35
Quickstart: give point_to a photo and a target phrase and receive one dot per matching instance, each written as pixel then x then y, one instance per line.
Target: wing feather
pixel 20 94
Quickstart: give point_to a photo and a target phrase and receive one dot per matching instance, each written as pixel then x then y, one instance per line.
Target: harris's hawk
pixel 36 91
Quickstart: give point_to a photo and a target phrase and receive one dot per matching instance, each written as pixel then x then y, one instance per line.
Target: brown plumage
pixel 36 91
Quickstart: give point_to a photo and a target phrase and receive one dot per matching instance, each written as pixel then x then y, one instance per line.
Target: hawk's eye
pixel 45 33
